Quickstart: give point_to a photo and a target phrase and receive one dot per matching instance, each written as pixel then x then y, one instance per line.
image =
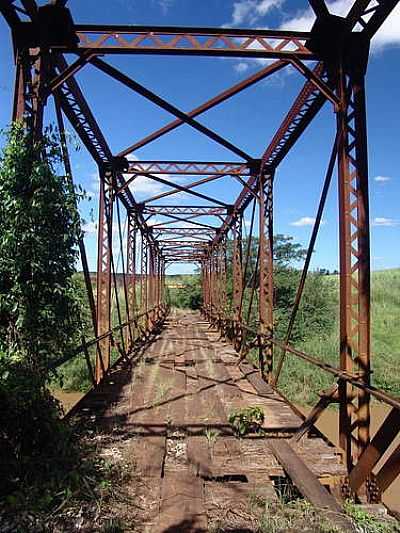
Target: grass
pixel 88 491
pixel 301 381
pixel 290 512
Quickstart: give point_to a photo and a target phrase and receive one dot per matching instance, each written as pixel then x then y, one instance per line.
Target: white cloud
pixel 89 227
pixel 241 67
pixel 388 34
pixel 382 221
pixel 165 5
pixel 250 11
pixel 144 185
pixel 305 221
pixel 382 179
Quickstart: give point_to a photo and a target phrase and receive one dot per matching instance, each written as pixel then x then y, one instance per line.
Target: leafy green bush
pixel 187 297
pixel 30 426
pixel 40 312
pixel 247 420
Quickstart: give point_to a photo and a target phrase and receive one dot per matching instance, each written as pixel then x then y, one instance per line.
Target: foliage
pixel 368 523
pixel 246 420
pixel 85 492
pixel 296 515
pixel 211 436
pixel 316 307
pixel 301 381
pixel 188 295
pixel 30 425
pixel 74 374
pixel 40 313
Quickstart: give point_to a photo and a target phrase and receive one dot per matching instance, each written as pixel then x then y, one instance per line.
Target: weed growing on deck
pixel 162 389
pixel 247 420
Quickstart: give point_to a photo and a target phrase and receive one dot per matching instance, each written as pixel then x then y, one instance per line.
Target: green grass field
pixel 302 381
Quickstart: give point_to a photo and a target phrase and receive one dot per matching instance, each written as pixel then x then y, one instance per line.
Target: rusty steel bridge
pixel 333 59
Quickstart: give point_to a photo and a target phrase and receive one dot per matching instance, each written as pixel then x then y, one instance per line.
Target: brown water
pixel 67 398
pixel 328 425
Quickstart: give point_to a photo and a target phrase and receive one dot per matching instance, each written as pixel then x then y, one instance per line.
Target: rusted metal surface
pixel 354 259
pixel 193 41
pixel 104 250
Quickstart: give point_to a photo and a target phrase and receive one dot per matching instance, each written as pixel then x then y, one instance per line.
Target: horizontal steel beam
pixel 184 210
pixel 193 41
pixel 190 168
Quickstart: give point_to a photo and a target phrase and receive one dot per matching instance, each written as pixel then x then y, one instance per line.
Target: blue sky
pixel 249 119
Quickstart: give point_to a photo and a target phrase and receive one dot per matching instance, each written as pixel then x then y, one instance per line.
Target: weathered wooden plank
pixel 198 456
pixel 307 483
pixel 149 454
pixel 182 503
pixel 262 388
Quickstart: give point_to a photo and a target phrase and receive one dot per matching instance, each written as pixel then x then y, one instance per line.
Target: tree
pixel 187 297
pixel 39 308
pixel 316 309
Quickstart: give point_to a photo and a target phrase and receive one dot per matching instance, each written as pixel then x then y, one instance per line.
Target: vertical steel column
pixel 143 277
pixel 104 271
pixel 210 287
pixel 22 76
pixel 218 279
pixel 354 261
pixel 237 280
pixel 213 282
pixel 160 280
pixel 29 95
pixel 266 279
pixel 163 296
pixel 131 265
pixel 204 283
pixel 151 277
pixel 222 276
pixel 157 279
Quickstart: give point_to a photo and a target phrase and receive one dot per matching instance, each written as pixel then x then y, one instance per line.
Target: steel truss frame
pixel 42 72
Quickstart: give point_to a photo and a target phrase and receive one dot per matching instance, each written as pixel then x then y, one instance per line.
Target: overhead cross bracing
pixel 332 58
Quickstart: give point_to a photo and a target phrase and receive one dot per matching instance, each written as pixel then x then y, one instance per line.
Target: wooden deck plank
pixel 182 504
pixel 175 408
pixel 307 483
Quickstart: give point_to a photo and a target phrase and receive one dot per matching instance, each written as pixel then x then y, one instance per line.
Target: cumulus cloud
pixel 382 179
pixel 383 221
pixel 241 67
pixel 247 12
pixel 388 34
pixel 165 5
pixel 305 221
pixel 144 185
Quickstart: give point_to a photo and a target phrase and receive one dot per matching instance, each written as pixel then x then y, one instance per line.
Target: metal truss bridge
pixel 333 59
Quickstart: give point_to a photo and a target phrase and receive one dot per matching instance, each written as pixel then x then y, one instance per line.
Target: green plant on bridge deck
pixel 247 420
